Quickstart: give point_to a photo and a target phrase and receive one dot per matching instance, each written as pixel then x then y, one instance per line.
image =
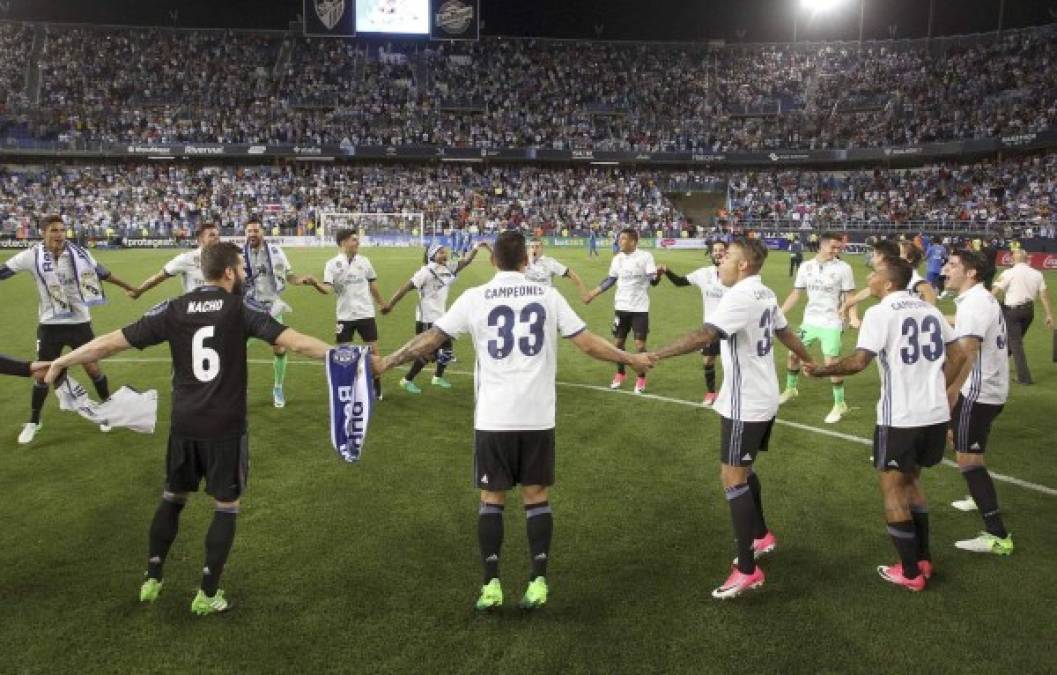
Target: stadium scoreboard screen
pixel 403 17
pixel 437 19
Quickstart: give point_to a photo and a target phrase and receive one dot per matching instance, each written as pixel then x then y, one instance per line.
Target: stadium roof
pixel 729 20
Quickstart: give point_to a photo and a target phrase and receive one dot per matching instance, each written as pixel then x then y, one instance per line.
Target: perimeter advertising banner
pixel 330 18
pixel 455 19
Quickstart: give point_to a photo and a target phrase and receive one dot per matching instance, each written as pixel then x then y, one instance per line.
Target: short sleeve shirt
pixel 514 324
pixel 351 280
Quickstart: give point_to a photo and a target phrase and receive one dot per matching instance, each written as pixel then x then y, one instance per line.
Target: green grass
pixel 373 567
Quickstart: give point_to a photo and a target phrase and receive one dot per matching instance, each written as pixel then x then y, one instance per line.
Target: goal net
pixel 376 229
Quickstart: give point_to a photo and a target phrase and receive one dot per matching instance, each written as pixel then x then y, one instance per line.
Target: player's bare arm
pixel 598 348
pixel 969 346
pixel 150 283
pixel 793 344
pixel 129 289
pixel 376 293
pixel 422 346
pixel 469 258
pixel 302 344
pixel 791 300
pixel 388 306
pixel 307 280
pixel 849 365
pixel 100 348
pixel 691 342
pixel 606 284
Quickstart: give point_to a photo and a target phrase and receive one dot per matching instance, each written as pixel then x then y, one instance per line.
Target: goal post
pixel 376 229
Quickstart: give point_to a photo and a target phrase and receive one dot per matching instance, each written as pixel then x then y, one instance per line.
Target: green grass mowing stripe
pixel 1013 480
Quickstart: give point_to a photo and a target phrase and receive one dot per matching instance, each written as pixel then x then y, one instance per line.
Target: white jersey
pixel 747 318
pixel 351 280
pixel 712 289
pixel 909 337
pixel 514 324
pixel 49 312
pixel 264 286
pixel 825 283
pixel 633 272
pixel 433 282
pixel 543 268
pixel 188 266
pixel 980 316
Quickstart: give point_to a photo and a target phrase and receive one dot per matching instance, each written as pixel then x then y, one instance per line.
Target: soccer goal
pixel 376 229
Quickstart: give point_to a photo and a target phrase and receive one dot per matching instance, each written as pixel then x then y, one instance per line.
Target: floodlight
pixel 819 5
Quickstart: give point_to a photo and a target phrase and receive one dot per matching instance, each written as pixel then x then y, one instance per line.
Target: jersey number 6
pixel 205 362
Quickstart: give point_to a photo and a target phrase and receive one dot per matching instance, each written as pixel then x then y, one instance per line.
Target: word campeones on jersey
pixel 514 324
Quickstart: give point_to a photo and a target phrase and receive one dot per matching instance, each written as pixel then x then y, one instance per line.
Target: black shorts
pixel 53 337
pixel 742 440
pixel 711 349
pixel 367 328
pixel 637 323
pixel 906 449
pixel 224 463
pixel 503 459
pixel 971 423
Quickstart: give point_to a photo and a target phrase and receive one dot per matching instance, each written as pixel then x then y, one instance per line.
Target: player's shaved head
pixel 509 252
pixel 218 258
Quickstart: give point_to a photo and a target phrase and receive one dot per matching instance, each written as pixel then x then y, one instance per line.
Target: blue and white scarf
pixel 88 285
pixel 351 388
pixel 278 274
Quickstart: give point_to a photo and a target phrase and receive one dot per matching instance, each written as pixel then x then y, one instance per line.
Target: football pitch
pixel 373 567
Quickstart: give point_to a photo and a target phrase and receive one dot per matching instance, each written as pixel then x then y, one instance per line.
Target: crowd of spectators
pixel 160 199
pixel 160 85
pixel 995 194
pixel 15 43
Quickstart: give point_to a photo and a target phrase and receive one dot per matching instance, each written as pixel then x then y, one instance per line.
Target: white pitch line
pixel 676 401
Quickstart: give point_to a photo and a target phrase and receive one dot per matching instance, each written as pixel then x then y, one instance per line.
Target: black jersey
pixel 207 331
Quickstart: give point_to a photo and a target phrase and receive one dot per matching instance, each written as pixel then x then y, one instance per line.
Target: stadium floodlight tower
pixel 816 7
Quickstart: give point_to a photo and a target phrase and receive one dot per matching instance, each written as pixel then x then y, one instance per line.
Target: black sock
pixel 920 514
pixel 620 368
pixel 163 531
pixel 759 529
pixel 416 368
pixel 40 392
pixel 539 521
pixel 710 377
pixel 377 387
pixel 490 538
pixel 906 543
pixel 982 489
pixel 743 515
pixel 219 538
pixel 102 387
pixel 440 369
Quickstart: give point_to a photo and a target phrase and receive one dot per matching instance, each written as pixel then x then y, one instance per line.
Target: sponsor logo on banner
pixel 148 150
pixel 682 243
pixel 583 154
pixel 18 243
pixel 708 158
pixel 257 150
pixel 203 150
pixel 329 12
pixel 149 243
pixel 903 152
pixel 1040 261
pixel 1020 139
pixel 454 17
pixel 307 150
pixel 788 157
